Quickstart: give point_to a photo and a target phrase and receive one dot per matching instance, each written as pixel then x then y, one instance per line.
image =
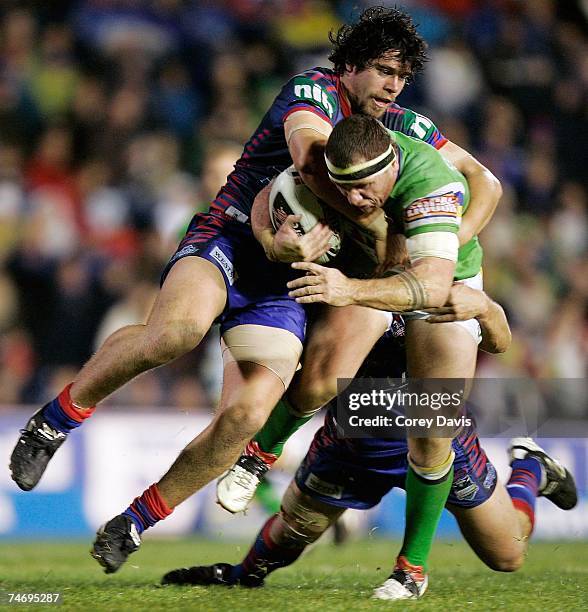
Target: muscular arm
pixel 261 223
pixel 466 303
pixel 496 335
pixel 424 284
pixel 485 190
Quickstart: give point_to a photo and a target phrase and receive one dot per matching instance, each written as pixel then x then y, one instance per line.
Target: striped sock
pixel 523 485
pixel 63 415
pixel 148 509
pixel 264 557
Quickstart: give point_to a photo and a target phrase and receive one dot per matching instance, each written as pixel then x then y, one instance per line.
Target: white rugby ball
pixel 290 196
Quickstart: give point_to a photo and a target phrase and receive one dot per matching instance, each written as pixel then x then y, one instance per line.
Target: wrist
pixel 267 242
pixel 353 289
pixel 484 310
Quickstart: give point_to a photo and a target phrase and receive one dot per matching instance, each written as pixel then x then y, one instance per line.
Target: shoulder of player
pixel 321 76
pixel 423 166
pixel 316 87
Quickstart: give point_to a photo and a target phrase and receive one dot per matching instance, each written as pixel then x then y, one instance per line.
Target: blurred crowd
pixel 121 118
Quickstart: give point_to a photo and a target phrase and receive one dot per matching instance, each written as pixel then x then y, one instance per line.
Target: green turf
pixel 555 577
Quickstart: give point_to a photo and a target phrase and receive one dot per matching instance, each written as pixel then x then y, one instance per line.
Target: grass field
pixel 555 577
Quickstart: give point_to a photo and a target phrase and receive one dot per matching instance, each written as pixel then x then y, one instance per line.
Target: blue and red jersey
pixel 266 154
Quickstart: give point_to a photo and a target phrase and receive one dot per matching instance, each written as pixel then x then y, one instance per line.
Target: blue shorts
pixel 256 287
pixel 358 473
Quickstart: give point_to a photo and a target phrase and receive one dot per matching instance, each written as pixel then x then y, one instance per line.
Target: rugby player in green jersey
pixel 425 196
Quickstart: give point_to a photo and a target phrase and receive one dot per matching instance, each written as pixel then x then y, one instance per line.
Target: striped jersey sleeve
pixel 413 124
pixel 312 91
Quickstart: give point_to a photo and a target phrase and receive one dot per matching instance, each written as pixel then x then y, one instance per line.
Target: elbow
pixel 310 161
pixel 309 170
pixel 498 191
pixel 497 345
pixel 504 344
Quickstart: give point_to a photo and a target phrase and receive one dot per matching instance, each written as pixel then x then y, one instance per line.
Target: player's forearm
pixel 425 284
pixel 485 192
pixel 496 335
pixel 261 222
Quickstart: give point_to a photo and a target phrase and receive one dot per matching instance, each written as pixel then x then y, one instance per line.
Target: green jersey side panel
pixel 430 195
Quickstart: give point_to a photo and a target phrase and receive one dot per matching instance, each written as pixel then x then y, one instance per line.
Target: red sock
pixel 252 448
pixel 148 509
pixel 71 410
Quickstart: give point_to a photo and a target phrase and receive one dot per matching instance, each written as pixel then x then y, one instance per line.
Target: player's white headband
pixel 358 172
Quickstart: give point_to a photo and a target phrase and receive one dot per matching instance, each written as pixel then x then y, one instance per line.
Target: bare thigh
pixel 440 350
pixel 193 290
pixel 337 344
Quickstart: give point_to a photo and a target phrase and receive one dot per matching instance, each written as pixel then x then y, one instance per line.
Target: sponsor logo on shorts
pixel 314 483
pixel 189 249
pixel 465 488
pixel 397 328
pixel 225 264
pixel 490 478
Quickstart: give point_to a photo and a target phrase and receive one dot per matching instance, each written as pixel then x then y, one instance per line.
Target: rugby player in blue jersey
pixel 221 273
pixel 339 473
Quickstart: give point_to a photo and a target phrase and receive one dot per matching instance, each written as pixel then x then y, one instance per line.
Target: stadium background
pixel 119 119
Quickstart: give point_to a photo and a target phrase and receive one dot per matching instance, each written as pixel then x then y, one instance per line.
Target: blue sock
pixel 523 485
pixel 54 414
pixel 147 509
pixel 61 414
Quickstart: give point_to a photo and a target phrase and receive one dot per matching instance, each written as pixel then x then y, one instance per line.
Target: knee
pixel 429 452
pixel 244 417
pixel 301 528
pixel 506 562
pixel 311 394
pixel 167 342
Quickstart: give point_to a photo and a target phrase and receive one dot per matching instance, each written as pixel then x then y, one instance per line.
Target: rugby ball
pixel 290 196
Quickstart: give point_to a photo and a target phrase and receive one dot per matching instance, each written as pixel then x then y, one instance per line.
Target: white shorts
pixel 471 325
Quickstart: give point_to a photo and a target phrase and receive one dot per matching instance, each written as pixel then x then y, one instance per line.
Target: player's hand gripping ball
pixel 290 196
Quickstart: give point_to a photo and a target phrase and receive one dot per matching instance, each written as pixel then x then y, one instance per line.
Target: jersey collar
pixel 343 99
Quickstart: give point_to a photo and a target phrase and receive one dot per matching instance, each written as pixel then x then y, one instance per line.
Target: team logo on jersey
pixel 444 208
pixel 236 214
pixel 309 90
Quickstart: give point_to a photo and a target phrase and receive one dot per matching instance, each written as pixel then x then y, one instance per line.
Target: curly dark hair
pixel 378 31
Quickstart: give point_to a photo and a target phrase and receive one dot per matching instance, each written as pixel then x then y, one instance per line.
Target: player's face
pixel 371 193
pixel 373 89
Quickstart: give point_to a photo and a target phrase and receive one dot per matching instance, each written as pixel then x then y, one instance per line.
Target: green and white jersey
pixel 430 195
